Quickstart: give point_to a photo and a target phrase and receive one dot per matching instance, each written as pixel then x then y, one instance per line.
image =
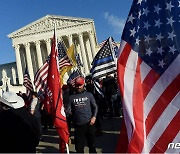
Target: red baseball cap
pixel 79 81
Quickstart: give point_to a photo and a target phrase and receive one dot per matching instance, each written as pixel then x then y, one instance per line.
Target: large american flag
pixel 103 63
pixel 148 74
pixel 40 79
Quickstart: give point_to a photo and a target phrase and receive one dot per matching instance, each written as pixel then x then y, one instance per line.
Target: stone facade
pixel 8 73
pixel 32 43
pixel 9 78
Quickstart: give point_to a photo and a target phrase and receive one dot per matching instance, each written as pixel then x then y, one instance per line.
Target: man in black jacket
pixel 19 131
pixel 83 108
pixel 110 89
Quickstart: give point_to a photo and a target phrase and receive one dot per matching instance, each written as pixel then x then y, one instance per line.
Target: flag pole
pixel 112 50
pixel 75 49
pixel 67 148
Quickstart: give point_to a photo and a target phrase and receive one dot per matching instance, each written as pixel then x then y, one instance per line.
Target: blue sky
pixel 109 17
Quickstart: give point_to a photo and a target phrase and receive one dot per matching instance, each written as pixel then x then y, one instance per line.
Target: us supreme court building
pixel 32 45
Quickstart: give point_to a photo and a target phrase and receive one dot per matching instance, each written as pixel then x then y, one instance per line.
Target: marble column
pixel 70 40
pixel 89 53
pixel 13 75
pixel 39 55
pixel 48 45
pixel 86 69
pixel 29 61
pixel 19 64
pixel 4 77
pixel 91 37
pixel 78 50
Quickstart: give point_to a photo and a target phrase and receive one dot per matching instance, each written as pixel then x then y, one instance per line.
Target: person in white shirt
pixel 35 109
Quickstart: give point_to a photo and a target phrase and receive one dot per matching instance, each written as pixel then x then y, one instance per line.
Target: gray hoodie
pixel 83 107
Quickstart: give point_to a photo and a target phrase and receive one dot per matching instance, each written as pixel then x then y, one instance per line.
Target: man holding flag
pixel 148 74
pixel 53 97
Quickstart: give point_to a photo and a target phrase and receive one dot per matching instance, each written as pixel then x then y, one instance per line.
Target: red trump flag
pixel 149 78
pixel 53 95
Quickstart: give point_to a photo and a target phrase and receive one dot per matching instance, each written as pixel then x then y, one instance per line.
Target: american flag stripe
pixel 149 80
pixel 126 109
pixel 161 84
pixel 160 115
pixel 126 88
pixel 161 104
pixel 62 55
pixel 165 137
pixel 40 80
pixel 167 86
pixel 64 62
pixel 130 91
pixel 28 84
pixel 146 71
pixel 103 42
pixel 41 77
pixel 42 70
pixel 27 80
pixel 161 125
pixel 138 105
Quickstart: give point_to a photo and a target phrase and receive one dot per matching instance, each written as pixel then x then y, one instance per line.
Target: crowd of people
pixel 22 119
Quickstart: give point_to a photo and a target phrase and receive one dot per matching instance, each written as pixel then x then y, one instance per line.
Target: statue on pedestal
pixel 5 80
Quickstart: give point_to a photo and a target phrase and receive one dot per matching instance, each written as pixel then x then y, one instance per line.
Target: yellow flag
pixel 63 71
pixel 71 55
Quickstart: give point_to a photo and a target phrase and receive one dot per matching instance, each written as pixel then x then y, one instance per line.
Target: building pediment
pixel 47 24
